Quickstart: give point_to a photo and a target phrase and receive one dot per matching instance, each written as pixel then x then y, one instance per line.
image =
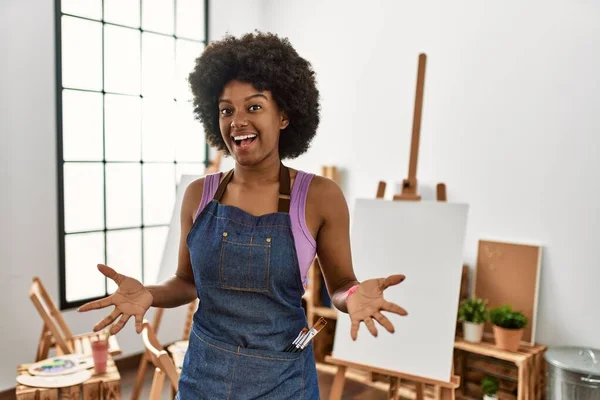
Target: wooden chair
pixel 164 366
pixel 146 358
pixel 55 332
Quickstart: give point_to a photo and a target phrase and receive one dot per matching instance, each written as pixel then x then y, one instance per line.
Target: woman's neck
pixel 267 171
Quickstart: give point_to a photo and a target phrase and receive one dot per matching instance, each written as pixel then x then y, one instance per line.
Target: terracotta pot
pixel 507 339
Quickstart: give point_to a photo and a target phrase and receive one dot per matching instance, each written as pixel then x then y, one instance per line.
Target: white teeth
pixel 244 137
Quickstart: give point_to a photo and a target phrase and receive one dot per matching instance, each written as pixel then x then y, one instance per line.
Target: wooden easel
pixel 441 390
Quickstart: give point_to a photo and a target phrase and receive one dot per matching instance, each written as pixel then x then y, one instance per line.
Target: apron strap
pixel 223 186
pixel 284 188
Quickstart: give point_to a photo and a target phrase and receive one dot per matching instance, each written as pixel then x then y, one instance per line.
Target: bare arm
pixel 333 239
pixel 180 289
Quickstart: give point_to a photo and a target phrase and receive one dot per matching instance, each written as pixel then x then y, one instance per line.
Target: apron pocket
pixel 269 374
pixel 244 262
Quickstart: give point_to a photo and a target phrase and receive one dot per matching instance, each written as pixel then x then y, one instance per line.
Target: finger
pixel 96 304
pixel 395 308
pixel 139 319
pixel 108 320
pixel 354 329
pixel 383 321
pixel 371 326
pixel 110 273
pixel 120 324
pixel 393 280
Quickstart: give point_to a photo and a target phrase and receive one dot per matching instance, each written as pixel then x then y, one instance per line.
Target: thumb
pixel 393 280
pixel 110 273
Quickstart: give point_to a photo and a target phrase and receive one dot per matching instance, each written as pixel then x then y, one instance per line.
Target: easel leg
pixel 44 345
pixel 337 388
pixel 447 394
pixel 139 379
pixel 419 391
pixel 394 389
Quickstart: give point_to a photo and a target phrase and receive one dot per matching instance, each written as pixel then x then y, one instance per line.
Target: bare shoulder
pixel 326 199
pixel 322 188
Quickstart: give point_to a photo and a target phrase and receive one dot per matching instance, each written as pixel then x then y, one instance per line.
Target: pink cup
pixel 100 354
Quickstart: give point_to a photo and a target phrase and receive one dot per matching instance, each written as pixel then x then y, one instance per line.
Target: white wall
pixel 508 125
pixel 28 204
pixel 510 122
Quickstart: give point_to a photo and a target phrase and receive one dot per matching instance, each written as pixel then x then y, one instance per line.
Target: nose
pixel 239 121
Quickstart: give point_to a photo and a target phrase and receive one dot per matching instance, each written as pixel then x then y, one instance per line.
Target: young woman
pixel 248 237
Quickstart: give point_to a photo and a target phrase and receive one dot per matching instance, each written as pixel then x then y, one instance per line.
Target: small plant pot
pixel 490 397
pixel 507 339
pixel 472 332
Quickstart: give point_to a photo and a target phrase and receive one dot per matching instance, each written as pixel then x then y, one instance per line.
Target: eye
pixel 225 111
pixel 254 107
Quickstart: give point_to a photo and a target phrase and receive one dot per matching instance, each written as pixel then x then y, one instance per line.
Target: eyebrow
pixel 246 99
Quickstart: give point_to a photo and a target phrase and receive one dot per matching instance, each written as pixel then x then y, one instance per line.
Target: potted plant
pixel 489 387
pixel 508 327
pixel 473 313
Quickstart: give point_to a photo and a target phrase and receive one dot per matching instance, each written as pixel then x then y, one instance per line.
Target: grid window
pixel 126 134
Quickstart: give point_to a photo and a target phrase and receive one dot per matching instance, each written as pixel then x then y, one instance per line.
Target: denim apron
pixel 248 281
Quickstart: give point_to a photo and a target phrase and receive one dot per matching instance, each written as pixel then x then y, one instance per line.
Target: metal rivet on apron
pixel 225 234
pixel 268 240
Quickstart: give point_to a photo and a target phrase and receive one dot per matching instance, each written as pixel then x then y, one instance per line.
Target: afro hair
pixel 268 62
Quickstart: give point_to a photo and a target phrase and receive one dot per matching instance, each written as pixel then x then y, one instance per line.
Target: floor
pixel 352 390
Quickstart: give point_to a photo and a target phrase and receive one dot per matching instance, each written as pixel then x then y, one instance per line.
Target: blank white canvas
pixel 170 255
pixel 424 241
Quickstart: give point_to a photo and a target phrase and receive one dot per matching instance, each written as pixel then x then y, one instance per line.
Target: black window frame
pixel 64 304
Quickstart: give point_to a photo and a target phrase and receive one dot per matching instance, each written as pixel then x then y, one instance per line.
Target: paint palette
pixel 61 365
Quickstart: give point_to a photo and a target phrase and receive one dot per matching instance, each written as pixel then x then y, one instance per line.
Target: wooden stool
pixel 106 386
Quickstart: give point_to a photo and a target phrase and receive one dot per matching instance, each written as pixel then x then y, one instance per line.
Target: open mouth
pixel 243 141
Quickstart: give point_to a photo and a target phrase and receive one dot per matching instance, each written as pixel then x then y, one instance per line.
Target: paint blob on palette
pixel 61 365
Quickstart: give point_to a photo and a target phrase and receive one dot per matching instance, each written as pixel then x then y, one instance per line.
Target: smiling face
pixel 250 123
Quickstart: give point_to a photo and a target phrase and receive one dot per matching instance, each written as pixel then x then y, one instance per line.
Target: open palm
pixel 367 302
pixel 130 299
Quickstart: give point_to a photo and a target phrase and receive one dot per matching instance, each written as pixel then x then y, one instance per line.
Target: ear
pixel 283 121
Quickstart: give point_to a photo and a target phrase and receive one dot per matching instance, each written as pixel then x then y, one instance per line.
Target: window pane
pixel 86 8
pixel 159 193
pixel 123 195
pixel 158 68
pixel 123 132
pixel 83 252
pixel 124 254
pixel 158 16
pixel 190 19
pixel 84 196
pixel 81 54
pixel 189 134
pixel 82 125
pixel 154 243
pixel 189 169
pixel 122 60
pixel 158 131
pixel 124 12
pixel 186 55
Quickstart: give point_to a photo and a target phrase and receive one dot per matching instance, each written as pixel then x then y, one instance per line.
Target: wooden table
pixel 106 386
pixel 524 368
